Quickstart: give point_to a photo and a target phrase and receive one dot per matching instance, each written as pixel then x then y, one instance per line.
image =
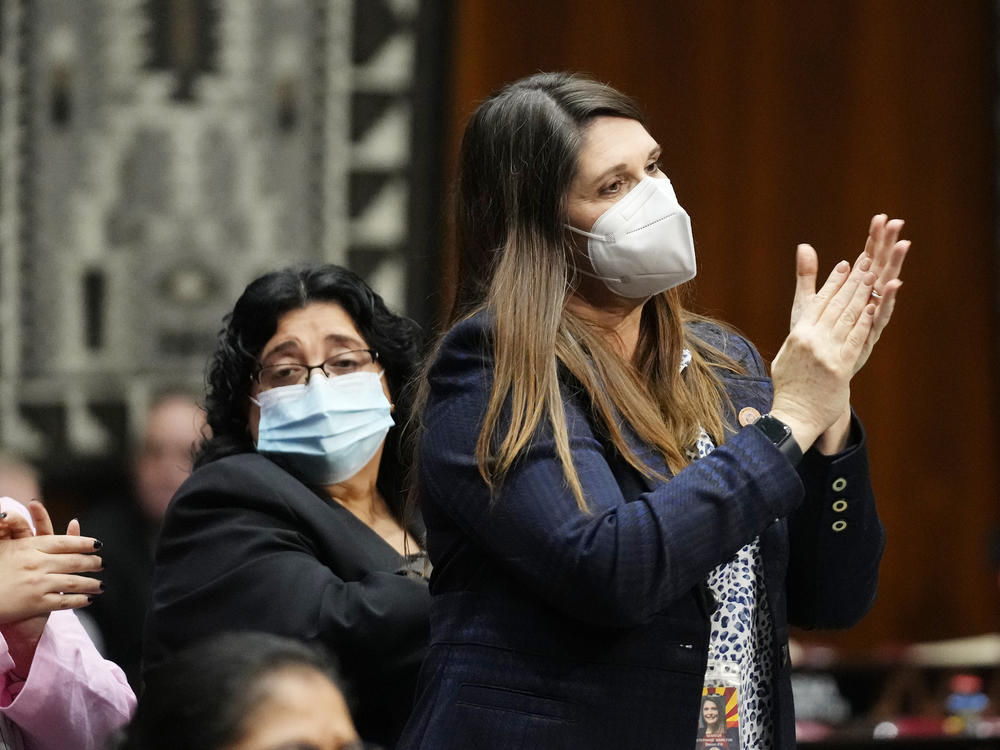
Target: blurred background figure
pixel 19 479
pixel 128 524
pixel 243 691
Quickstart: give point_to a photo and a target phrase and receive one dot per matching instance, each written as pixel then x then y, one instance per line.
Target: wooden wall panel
pixel 785 122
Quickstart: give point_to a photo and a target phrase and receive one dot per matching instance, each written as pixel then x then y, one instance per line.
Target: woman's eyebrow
pixel 608 172
pixel 283 348
pixel 654 153
pixel 347 341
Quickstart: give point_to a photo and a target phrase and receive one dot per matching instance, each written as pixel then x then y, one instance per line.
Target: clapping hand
pixel 41 575
pixel 833 332
pixel 886 253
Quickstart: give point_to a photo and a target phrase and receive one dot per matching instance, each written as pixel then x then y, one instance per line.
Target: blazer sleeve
pixel 836 539
pixel 621 562
pixel 233 555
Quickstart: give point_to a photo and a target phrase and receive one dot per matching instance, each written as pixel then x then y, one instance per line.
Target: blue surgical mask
pixel 326 430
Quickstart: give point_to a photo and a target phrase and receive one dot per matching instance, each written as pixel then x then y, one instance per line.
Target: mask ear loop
pixel 381 376
pixel 591 235
pixel 603 237
pixel 598 276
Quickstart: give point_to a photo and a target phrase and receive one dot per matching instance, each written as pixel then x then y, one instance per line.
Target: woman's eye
pixel 612 188
pixel 275 375
pixel 653 167
pixel 342 364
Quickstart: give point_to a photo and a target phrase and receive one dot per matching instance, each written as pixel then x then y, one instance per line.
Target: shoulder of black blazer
pixel 252 483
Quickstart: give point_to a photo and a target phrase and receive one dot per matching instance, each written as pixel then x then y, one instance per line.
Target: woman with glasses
pixel 292 522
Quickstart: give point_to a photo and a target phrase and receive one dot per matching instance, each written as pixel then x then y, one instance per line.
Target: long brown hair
pixel 519 155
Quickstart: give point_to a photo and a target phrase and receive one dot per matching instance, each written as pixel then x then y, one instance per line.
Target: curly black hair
pixel 252 323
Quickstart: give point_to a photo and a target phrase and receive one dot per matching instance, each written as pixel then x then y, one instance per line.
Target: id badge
pixel 719 714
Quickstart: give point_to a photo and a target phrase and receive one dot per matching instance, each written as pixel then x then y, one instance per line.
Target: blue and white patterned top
pixel 742 629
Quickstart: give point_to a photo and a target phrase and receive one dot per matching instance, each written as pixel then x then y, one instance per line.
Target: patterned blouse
pixel 742 629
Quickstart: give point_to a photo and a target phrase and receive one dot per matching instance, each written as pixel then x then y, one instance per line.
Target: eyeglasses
pixel 296 373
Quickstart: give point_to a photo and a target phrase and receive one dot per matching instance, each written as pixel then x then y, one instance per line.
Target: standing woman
pixel 292 522
pixel 609 530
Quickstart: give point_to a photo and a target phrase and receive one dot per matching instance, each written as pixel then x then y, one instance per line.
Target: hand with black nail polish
pixel 41 573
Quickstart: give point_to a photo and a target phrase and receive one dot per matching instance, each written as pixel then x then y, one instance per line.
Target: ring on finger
pixel 876 295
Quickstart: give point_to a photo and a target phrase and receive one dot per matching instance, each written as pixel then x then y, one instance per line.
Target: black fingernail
pixel 91 598
pixel 102 585
pixel 98 544
pixel 3 515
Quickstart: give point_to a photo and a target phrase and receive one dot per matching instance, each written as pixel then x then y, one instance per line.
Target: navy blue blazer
pixel 555 628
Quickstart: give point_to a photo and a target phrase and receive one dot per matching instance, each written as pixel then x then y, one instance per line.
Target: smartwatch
pixel 780 434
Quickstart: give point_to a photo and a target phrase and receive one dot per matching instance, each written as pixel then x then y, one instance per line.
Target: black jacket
pixel 246 546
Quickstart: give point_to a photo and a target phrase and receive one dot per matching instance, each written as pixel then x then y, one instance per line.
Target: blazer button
pixel 748 415
pixel 839 484
pixel 839 506
pixel 839 525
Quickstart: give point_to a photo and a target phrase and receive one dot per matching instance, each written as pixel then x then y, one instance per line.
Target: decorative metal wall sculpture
pixel 156 155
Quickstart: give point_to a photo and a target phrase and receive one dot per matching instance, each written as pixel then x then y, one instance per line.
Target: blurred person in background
pixel 128 524
pixel 243 691
pixel 56 691
pixel 19 479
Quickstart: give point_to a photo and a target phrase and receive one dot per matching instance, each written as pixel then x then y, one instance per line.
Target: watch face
pixel 776 430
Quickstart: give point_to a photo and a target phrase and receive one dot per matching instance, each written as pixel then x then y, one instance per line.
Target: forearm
pixel 22 641
pixel 623 561
pixel 834 440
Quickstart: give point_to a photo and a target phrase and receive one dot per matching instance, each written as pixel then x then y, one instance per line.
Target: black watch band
pixel 780 434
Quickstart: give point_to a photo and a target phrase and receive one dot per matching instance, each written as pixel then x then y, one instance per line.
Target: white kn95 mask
pixel 643 244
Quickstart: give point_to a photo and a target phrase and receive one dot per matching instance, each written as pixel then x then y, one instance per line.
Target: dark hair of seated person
pixel 204 697
pixel 252 323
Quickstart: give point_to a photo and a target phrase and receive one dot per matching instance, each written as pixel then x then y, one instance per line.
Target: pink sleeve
pixel 73 697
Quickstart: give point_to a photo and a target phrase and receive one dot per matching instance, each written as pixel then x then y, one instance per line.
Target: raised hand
pixel 14 526
pixel 813 368
pixel 40 573
pixel 887 253
pixel 882 258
